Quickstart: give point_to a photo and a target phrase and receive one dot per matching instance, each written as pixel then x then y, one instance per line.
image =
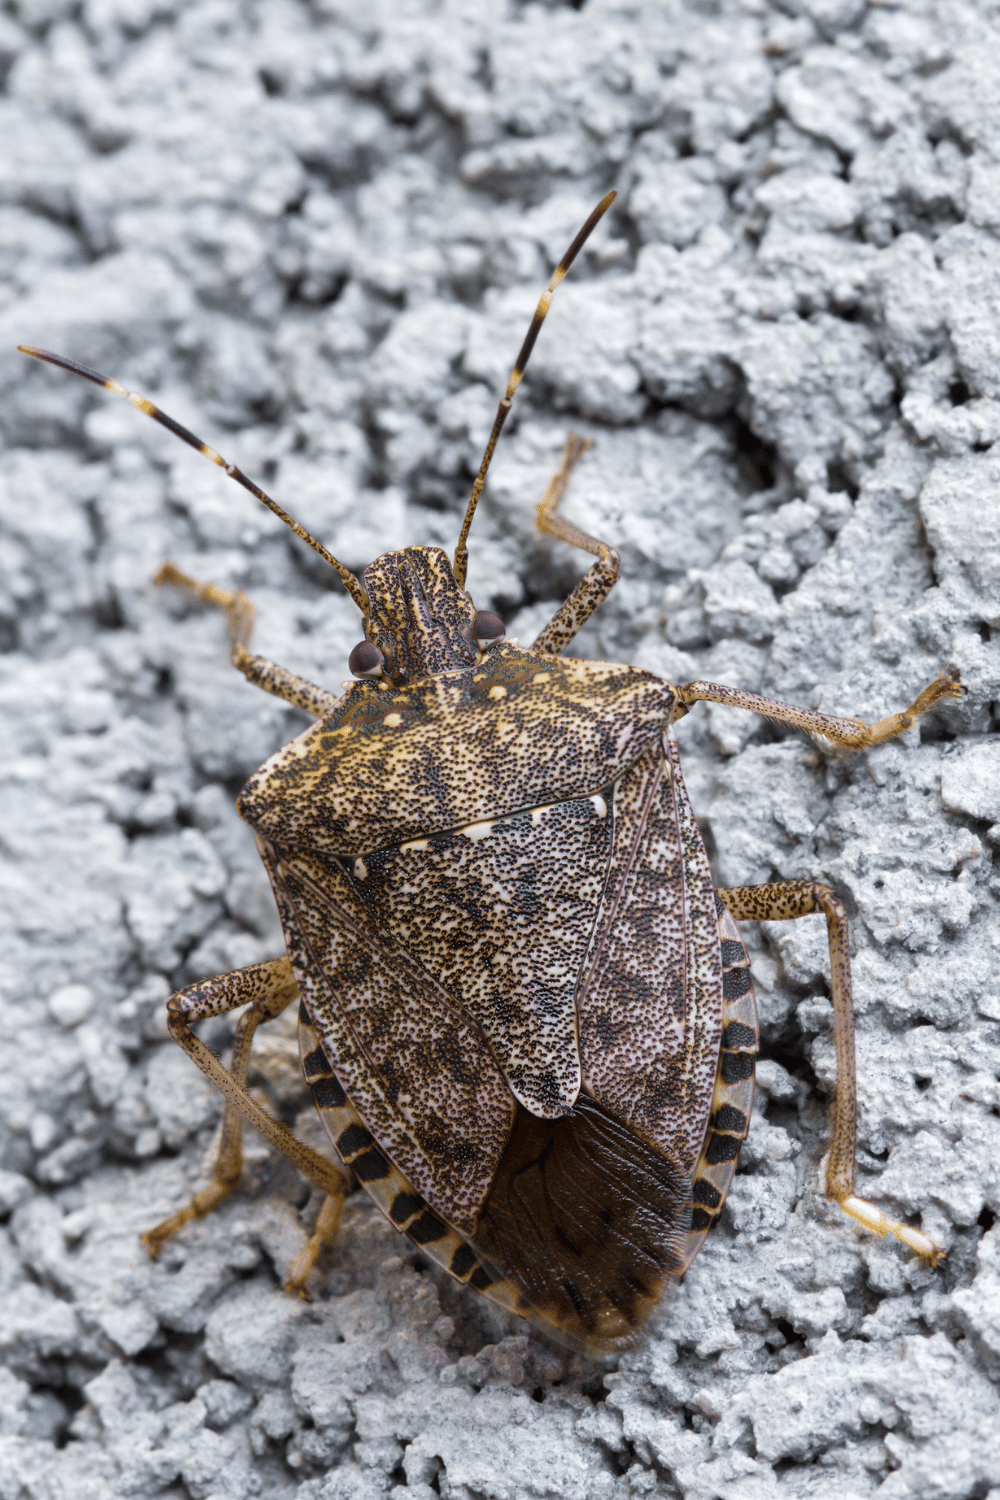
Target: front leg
pixel 597 583
pixel 262 673
pixel 785 901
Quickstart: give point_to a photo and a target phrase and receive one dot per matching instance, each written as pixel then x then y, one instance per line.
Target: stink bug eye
pixel 525 1015
pixel 365 660
pixel 487 628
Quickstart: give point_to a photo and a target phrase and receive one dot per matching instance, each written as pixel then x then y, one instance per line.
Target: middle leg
pixel 849 734
pixel 784 901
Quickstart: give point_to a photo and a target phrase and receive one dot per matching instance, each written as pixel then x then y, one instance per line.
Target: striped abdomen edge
pixel 732 1100
pixel 385 1184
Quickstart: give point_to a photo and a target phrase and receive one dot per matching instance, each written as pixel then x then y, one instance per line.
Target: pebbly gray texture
pixel 314 233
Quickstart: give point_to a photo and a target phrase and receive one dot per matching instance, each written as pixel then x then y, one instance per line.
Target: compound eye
pixel 487 628
pixel 365 660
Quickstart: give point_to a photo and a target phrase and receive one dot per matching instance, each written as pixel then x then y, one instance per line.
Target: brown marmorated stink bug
pixel 525 1015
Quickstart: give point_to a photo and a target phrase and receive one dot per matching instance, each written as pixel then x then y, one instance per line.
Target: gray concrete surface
pixel 314 232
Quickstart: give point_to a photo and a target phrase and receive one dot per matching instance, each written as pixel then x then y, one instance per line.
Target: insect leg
pixel 256 669
pixel 850 734
pixel 784 901
pixel 597 583
pixel 267 989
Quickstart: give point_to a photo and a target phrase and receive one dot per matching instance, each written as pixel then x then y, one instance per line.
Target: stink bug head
pixel 418 617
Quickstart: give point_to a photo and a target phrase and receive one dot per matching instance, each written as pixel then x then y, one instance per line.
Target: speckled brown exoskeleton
pixel 525 1014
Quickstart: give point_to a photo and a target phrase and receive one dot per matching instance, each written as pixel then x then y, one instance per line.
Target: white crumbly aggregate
pixel 314 233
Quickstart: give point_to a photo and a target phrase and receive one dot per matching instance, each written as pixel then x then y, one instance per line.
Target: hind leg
pixel 266 989
pixel 785 901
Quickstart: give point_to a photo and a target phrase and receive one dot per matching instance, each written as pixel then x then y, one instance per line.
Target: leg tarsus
pixel 324 1233
pixel 239 612
pixel 266 989
pixel 870 1217
pixel 948 685
pixel 217 1191
pixel 235 605
pixel 547 517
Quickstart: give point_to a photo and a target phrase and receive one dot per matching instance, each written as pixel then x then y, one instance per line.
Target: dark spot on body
pixel 354 1139
pixel 427 1229
pixel 735 1066
pixel 404 1206
pixel 315 1063
pixel 738 1035
pixel 721 1148
pixel 372 1166
pixel 328 1093
pixel 736 982
pixel 463 1261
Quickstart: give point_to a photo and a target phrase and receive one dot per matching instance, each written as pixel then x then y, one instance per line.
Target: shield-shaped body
pixel 514 986
pixel 526 1018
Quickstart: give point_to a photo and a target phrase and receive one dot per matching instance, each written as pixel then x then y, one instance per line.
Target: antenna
pixel 348 579
pixel 461 551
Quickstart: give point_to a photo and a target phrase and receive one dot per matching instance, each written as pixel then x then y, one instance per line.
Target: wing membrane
pixel 589 1221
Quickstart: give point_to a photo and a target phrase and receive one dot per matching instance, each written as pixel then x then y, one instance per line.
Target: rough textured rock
pixel 314 232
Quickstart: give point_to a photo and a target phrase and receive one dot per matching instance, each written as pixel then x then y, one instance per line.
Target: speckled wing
pixel 500 913
pixel 417 1069
pixel 575 1221
pixel 650 997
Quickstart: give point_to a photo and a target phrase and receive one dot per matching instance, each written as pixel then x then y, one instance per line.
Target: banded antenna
pixel 461 551
pixel 350 582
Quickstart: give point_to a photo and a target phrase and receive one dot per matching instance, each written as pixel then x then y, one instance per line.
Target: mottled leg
pixel 850 734
pixel 256 669
pixel 597 583
pixel 266 989
pixel 785 901
pixel 324 1233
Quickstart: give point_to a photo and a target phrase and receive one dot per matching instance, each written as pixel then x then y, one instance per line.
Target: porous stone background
pixel 314 231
